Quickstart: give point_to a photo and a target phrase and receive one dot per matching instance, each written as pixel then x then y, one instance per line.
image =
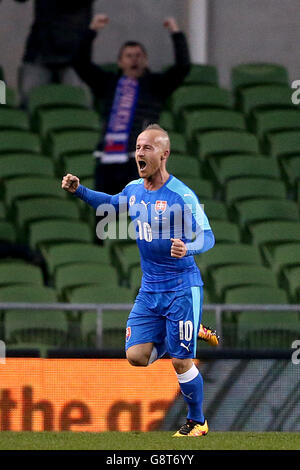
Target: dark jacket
pixel 57 30
pixel 154 88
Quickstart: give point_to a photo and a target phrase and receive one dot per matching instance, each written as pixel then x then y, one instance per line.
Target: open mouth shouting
pixel 142 165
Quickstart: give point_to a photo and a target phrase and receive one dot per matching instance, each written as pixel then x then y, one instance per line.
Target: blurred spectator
pixel 55 34
pixel 132 98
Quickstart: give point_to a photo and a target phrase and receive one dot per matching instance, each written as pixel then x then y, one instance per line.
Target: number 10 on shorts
pixel 185 330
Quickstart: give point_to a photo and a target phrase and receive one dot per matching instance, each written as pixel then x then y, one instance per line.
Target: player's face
pixel 133 61
pixel 149 153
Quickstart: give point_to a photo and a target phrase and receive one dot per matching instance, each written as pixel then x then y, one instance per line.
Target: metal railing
pixel 219 309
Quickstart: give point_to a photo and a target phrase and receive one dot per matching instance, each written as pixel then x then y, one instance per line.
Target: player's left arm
pixel 195 222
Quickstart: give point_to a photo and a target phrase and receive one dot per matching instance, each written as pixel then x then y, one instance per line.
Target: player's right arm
pixel 93 75
pixel 71 184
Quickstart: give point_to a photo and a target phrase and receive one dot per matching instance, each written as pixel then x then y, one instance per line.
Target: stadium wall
pixel 253 31
pixel 238 31
pixel 242 393
pixel 139 20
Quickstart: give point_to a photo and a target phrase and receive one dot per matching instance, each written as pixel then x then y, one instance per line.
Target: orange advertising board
pixel 84 394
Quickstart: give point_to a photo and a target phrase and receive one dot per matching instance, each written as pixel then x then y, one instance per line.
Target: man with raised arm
pixel 132 97
pixel 171 227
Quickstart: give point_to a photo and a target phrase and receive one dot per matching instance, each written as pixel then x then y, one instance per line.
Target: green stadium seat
pixel 292 275
pixel 28 294
pixel 16 165
pixel 271 122
pixel 11 98
pixel 284 257
pixel 37 209
pixel 197 122
pixel 264 329
pixel 8 232
pixel 127 257
pixel 82 165
pixel 178 143
pixel 25 294
pixel 88 182
pixel 43 234
pixel 223 254
pixel 72 143
pixel 13 119
pixel 264 97
pixel 214 209
pixel 35 186
pixel 67 253
pixel 256 295
pixel 12 273
pixel 284 144
pixel 222 143
pixel 251 74
pixel 55 120
pixel 238 166
pixel 183 166
pixel 227 277
pixel 20 325
pixel 55 96
pixel 48 326
pixel 202 74
pixel 67 277
pixel 113 322
pixel 110 67
pixel 225 231
pixel 291 170
pixel 101 293
pixel 166 121
pixel 241 189
pixel 258 210
pixel 202 187
pixel 269 235
pixel 113 329
pixel 135 279
pixel 193 97
pixel 14 141
pixel 2 210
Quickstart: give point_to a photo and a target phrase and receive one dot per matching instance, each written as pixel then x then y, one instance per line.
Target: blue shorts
pixel 171 316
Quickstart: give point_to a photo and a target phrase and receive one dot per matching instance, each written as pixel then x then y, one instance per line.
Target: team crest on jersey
pixel 132 200
pixel 128 333
pixel 160 207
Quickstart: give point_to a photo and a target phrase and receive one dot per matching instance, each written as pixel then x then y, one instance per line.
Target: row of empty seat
pixel 237 149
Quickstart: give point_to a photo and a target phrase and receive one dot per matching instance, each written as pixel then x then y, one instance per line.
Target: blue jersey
pixel 172 211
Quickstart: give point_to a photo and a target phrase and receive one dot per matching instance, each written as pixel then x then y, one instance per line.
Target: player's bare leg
pixel 139 354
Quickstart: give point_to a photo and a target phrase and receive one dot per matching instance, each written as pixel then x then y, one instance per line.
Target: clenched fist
pixel 178 248
pixel 171 25
pixel 70 183
pixel 99 21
